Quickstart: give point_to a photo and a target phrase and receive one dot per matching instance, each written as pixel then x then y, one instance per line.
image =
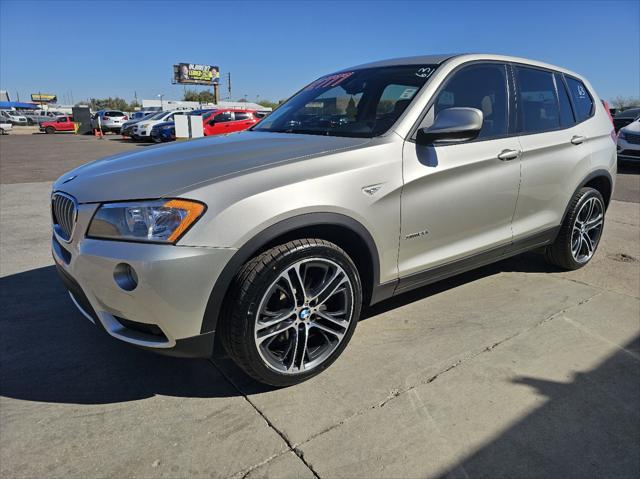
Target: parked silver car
pixel 367 183
pixel 13 117
pixel 108 120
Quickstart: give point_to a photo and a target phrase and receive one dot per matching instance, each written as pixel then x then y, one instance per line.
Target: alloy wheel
pixel 304 315
pixel 587 230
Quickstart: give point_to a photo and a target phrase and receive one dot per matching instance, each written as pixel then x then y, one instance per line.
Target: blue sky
pixel 100 49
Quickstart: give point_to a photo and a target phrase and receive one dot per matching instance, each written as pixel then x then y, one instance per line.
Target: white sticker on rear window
pixel 425 72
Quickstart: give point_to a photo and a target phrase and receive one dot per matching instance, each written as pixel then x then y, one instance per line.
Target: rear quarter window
pixel 582 101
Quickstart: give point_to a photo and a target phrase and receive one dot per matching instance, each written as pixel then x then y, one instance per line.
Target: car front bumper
pixel 628 151
pixel 165 311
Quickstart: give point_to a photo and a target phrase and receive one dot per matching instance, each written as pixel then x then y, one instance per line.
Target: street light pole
pixel 161 96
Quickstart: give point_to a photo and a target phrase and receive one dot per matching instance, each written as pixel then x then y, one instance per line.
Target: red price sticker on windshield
pixel 329 81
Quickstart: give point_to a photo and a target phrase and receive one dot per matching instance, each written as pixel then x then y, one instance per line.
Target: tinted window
pixel 566 113
pixel 538 102
pixel 224 116
pixel 241 115
pixel 483 87
pixel 581 99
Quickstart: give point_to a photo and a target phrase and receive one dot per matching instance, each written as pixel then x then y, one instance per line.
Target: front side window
pixel 483 87
pixel 582 101
pixel 538 103
pixel 360 103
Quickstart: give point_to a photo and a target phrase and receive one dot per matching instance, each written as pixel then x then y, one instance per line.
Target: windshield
pixel 360 103
pixel 157 116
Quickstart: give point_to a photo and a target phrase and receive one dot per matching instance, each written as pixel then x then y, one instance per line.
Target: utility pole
pixel 229 84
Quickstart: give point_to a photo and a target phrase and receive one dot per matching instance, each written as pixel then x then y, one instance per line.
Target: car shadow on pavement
pixel 50 352
pixel 588 426
pixel 129 141
pixel 628 168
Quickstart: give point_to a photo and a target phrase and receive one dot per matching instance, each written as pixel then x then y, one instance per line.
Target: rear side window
pixel 483 87
pixel 241 115
pixel 582 101
pixel 224 117
pixel 566 113
pixel 537 100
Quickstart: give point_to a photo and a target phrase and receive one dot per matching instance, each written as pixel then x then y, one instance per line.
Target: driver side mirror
pixel 455 124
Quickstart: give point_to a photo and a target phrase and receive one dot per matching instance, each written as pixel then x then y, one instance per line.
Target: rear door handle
pixel 507 155
pixel 577 139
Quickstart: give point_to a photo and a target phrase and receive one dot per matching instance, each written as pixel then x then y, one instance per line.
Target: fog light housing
pixel 125 276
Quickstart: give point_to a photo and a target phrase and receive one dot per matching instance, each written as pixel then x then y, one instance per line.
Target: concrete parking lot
pixel 513 370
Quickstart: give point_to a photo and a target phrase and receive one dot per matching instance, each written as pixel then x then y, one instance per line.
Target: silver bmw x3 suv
pixel 367 183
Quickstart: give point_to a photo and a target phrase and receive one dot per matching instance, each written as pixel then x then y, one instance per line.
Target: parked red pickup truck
pixel 61 123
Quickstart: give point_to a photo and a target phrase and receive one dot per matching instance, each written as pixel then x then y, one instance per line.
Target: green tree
pixel 203 96
pixel 269 103
pixel 116 103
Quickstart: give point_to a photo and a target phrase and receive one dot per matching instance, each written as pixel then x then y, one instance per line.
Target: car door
pixel 242 121
pixel 555 151
pixel 458 198
pixel 222 123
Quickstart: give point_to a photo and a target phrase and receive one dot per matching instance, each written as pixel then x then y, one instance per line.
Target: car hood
pixel 632 127
pixel 159 171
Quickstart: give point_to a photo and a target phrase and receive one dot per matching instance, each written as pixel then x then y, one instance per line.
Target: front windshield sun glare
pixel 359 103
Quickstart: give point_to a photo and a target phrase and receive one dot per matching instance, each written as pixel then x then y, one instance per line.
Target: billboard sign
pixel 194 74
pixel 43 98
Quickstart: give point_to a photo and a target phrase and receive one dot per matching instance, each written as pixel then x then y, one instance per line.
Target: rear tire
pixel 580 232
pixel 291 311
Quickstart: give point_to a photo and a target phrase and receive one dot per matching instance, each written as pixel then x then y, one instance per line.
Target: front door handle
pixel 577 139
pixel 507 155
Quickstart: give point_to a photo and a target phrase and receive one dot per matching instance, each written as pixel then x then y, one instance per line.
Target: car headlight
pixel 156 221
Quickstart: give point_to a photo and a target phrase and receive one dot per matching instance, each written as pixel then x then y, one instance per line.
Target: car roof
pixel 415 60
pixel 460 57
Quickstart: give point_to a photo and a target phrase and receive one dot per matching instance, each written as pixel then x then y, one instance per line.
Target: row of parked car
pixel 160 126
pixel 28 117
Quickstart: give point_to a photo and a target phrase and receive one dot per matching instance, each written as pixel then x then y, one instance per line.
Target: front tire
pixel 50 130
pixel 291 312
pixel 580 232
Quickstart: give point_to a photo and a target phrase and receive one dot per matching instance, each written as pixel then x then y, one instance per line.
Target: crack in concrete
pixel 397 393
pixel 602 289
pixel 290 446
pixel 393 394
